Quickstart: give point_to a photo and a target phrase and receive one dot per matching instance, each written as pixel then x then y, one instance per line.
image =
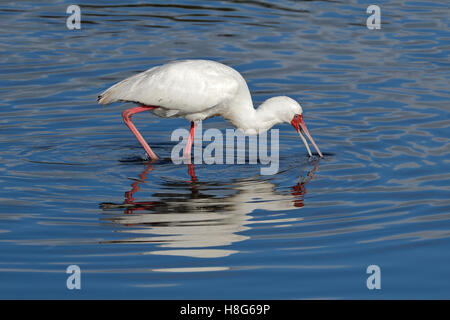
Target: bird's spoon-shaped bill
pixel 299 124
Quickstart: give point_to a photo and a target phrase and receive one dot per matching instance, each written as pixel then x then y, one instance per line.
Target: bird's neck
pixel 250 120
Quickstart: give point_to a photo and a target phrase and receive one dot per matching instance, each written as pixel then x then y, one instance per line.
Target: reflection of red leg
pixel 127 118
pixel 187 150
pixel 135 185
pixel 129 199
pixel 191 171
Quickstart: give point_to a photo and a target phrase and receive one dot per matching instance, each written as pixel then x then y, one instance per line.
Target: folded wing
pixel 189 86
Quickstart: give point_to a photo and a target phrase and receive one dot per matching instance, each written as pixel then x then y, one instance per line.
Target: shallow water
pixel 73 189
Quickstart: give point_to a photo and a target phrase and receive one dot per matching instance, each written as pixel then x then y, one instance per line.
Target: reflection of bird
pixel 192 223
pixel 200 89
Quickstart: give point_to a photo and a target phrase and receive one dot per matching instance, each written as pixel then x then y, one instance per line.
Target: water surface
pixel 74 190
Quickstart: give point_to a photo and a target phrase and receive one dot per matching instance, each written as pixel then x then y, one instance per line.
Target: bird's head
pixel 290 111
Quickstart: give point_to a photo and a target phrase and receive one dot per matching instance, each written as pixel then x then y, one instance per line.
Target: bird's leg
pixel 191 172
pixel 127 118
pixel 187 150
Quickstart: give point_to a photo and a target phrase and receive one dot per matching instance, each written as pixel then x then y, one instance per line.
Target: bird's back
pixel 181 87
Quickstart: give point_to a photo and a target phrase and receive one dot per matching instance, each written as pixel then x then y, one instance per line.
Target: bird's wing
pixel 190 86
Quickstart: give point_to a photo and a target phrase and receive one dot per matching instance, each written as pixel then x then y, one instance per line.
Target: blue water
pixel 375 101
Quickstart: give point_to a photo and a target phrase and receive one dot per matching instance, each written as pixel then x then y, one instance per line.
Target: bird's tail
pixel 117 92
pixel 109 95
pixel 104 98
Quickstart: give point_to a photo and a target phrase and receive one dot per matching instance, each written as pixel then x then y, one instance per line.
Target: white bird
pixel 201 89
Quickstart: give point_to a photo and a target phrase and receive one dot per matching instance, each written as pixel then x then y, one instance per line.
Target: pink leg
pixel 191 172
pixel 127 118
pixel 187 150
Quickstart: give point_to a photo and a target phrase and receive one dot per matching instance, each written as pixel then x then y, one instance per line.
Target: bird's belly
pixel 165 113
pixel 191 116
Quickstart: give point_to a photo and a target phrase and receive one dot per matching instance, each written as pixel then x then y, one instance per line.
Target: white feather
pixel 187 86
pixel 199 89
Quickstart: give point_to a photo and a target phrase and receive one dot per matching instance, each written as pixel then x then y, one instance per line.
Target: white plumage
pixel 197 90
pixel 179 88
